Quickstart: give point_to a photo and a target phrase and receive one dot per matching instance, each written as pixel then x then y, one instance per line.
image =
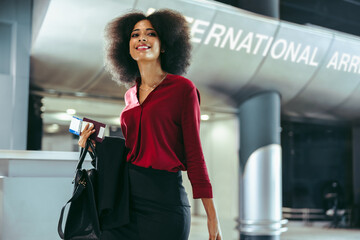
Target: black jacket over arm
pixel 113 183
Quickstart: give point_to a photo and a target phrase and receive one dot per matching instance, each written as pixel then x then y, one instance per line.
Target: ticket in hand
pixel 77 125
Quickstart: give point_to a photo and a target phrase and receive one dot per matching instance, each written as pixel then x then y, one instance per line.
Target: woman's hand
pixel 214 229
pixel 85 134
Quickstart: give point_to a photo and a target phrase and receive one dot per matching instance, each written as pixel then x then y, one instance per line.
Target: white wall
pixel 220 146
pixel 61 142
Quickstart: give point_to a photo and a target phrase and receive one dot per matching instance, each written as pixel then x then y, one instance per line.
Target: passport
pixel 99 133
pixel 77 125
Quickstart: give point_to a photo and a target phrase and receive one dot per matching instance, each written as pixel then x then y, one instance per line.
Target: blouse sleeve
pixel 190 122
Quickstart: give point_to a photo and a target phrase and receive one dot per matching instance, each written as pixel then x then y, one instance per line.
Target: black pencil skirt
pixel 159 207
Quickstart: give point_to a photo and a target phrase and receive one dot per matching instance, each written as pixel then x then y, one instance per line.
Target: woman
pixel 160 123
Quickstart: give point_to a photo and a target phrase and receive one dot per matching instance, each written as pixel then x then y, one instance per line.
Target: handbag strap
pixel 79 189
pixel 83 153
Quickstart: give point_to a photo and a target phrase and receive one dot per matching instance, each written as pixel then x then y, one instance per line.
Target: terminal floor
pixel 296 231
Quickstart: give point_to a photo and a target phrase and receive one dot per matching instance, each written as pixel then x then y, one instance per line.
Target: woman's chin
pixel 146 59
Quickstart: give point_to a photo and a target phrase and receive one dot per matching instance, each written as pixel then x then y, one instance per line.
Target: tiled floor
pixel 319 233
pixel 296 231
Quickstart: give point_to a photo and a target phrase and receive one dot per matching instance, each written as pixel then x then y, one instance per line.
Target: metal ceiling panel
pixel 292 60
pixel 336 78
pixel 68 50
pixel 229 55
pixel 102 85
pixel 350 108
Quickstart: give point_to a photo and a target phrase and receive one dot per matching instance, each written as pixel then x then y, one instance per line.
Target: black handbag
pixel 82 221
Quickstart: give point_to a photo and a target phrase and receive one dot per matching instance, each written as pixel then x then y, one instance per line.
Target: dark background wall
pixel 356 175
pixel 314 156
pixel 340 15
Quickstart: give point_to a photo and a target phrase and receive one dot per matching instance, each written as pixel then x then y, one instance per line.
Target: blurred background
pixel 52 68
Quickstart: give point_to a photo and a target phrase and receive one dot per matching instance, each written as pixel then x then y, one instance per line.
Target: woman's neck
pixel 151 73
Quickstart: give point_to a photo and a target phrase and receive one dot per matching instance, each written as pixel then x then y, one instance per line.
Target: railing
pixel 305 214
pixel 343 218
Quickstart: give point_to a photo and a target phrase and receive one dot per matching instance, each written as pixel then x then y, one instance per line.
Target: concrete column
pixel 260 168
pixel 15 44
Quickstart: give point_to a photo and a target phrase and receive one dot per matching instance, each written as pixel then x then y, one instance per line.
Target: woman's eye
pixel 152 34
pixel 134 35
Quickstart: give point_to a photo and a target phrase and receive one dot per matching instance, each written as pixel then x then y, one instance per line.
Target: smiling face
pixel 144 42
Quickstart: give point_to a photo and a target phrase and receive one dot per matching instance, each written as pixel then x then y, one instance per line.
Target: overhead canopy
pixel 235 54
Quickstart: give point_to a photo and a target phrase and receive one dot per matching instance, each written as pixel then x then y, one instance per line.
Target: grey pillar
pixel 15 44
pixel 260 168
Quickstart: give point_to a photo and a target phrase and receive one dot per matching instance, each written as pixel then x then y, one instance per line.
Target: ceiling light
pixel 80 94
pixel 62 116
pixel 205 117
pixel 53 128
pixel 150 11
pixel 71 111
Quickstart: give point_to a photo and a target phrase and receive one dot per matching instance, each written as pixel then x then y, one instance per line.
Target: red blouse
pixel 163 131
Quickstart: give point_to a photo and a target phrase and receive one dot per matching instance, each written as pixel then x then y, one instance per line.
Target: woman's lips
pixel 142 48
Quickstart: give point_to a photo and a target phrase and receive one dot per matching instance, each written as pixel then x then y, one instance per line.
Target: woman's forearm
pixel 209 208
pixel 212 222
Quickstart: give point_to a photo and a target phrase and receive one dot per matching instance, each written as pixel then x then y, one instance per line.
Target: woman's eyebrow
pixel 146 29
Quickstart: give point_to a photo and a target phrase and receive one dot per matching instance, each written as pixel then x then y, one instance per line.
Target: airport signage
pixel 239 40
pixel 255 43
